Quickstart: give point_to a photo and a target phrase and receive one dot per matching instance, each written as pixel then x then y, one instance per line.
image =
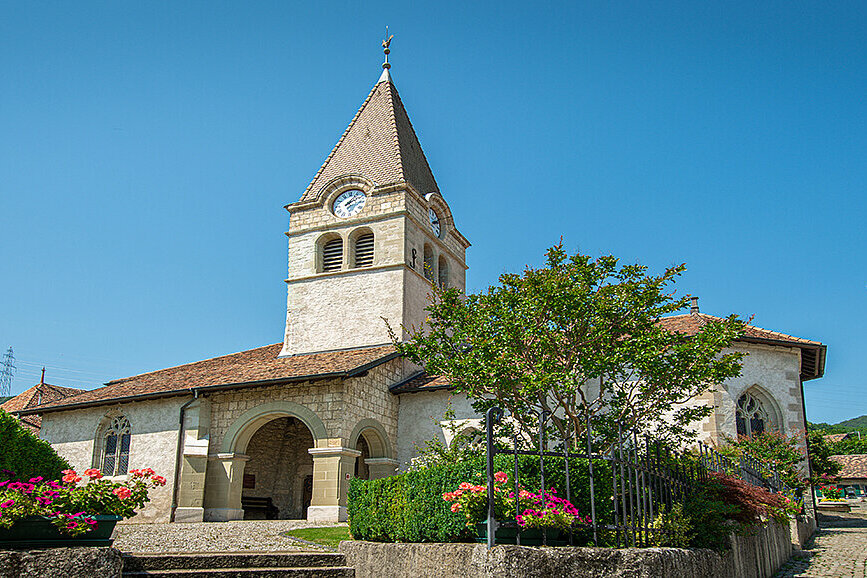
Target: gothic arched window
pixel 115 447
pixel 754 415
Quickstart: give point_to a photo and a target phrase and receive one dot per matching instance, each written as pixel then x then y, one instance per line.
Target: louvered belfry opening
pixel 364 250
pixel 332 255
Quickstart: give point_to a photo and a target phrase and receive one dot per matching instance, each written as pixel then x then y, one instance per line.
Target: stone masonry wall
pixel 756 554
pixel 340 404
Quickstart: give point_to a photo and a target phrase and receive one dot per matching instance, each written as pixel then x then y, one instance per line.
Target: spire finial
pixel 385 48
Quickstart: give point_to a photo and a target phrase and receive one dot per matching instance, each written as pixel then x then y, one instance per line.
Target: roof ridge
pixel 413 135
pixel 395 137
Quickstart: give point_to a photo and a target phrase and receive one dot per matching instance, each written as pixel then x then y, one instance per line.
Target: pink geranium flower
pixel 122 493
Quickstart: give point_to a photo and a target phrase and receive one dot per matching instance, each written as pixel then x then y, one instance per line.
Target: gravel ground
pixel 246 536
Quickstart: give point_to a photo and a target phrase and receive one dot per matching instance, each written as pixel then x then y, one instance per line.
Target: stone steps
pixel 237 565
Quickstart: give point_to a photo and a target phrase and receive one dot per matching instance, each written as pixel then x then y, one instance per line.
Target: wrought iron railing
pixel 641 478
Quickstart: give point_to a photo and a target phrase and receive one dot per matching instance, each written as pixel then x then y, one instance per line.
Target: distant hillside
pixel 854 423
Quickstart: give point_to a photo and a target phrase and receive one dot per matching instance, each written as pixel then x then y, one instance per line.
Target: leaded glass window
pixel 752 417
pixel 115 447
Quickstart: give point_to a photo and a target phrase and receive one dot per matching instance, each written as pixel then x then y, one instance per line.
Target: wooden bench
pixel 265 506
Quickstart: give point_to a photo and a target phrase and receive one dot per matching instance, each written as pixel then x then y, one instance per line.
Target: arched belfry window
pixel 364 250
pixel 332 254
pixel 755 413
pixel 429 263
pixel 115 447
pixel 443 272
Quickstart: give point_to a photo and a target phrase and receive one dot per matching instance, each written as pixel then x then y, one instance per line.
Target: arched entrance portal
pixel 278 471
pixel 225 479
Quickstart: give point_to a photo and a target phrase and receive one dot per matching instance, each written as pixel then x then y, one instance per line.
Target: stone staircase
pixel 237 565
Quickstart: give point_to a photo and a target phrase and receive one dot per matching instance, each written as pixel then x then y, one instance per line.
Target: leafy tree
pixel 821 451
pixel 579 338
pixel 853 445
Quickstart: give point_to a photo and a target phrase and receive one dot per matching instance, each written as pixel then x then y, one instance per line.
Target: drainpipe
pixel 807 452
pixel 179 453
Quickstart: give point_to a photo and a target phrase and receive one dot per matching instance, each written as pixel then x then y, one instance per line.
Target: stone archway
pixel 376 459
pixel 224 485
pixel 278 471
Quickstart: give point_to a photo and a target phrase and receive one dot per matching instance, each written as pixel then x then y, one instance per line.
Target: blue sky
pixel 147 149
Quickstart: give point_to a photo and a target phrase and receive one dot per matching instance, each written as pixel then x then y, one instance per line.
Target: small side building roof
pixel 40 393
pixel 854 466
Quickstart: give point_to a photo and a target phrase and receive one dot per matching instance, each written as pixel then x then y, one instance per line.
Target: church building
pixel 280 430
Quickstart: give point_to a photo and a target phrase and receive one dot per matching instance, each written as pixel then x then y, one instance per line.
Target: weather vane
pixel 386 49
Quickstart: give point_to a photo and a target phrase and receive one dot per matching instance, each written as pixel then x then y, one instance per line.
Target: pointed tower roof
pixel 379 144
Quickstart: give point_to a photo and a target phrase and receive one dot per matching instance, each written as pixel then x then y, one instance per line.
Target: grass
pixel 328 537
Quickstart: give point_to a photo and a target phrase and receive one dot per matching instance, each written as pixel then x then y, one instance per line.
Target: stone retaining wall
pixel 65 562
pixel 758 553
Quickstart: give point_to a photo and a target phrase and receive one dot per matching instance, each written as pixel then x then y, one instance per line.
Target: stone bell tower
pixel 369 235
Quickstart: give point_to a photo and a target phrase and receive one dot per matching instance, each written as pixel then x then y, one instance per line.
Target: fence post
pixel 492 416
pixel 592 485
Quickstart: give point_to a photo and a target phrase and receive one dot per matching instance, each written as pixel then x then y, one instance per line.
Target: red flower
pixel 71 478
pixel 159 480
pixel 122 492
pixel 93 473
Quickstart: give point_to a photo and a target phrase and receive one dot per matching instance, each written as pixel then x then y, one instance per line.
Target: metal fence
pixel 641 477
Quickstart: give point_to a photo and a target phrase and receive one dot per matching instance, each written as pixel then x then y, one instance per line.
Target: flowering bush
pixel 791 507
pixel 544 510
pixel 70 505
pixel 831 492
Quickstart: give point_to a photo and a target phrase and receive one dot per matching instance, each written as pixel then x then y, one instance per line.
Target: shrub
pixel 754 504
pixel 409 507
pixel 25 456
pixel 774 449
pixel 709 515
pixel 673 528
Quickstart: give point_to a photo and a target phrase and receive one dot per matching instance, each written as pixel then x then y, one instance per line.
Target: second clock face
pixel 434 221
pixel 349 203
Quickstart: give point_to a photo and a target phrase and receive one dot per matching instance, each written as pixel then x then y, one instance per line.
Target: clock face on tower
pixel 349 203
pixel 434 221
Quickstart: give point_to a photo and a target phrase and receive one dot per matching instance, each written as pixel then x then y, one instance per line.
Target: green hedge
pixel 24 454
pixel 409 507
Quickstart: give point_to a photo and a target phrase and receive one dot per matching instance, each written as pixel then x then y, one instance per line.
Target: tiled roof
pixel 238 369
pixel 812 352
pixel 39 393
pixel 421 382
pixel 379 144
pixel 838 437
pixel 691 323
pixel 854 465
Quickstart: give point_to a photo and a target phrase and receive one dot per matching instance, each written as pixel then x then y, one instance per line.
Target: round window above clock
pixel 434 221
pixel 349 203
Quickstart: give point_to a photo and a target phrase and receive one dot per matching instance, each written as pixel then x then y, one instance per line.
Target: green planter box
pixel 41 533
pixel 529 537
